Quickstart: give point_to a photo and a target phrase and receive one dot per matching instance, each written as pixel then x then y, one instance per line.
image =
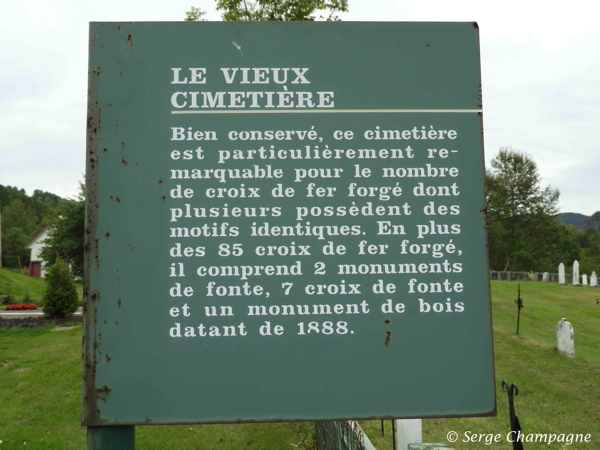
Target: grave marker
pixel 565 337
pixel 575 273
pixel 561 274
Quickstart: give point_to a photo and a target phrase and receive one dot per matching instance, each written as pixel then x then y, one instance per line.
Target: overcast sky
pixel 540 62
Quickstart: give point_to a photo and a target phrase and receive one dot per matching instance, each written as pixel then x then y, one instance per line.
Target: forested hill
pixel 22 217
pixel 581 220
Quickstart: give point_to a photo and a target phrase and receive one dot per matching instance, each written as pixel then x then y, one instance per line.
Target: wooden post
pixel 111 438
pixel 408 431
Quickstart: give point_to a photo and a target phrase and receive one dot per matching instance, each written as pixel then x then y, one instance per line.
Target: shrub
pixel 60 298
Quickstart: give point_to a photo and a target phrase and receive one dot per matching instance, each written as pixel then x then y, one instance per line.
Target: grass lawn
pixel 19 285
pixel 40 372
pixel 557 394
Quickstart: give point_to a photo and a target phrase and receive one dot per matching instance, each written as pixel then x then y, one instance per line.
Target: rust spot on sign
pixel 388 338
pixel 102 393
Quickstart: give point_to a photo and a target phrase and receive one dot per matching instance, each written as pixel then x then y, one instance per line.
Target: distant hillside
pixel 581 220
pixel 593 221
pixel 573 219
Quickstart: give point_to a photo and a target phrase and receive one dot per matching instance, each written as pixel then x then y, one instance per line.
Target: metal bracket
pixel 515 425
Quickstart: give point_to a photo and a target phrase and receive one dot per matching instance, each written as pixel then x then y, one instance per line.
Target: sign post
pixel 285 221
pixel 111 437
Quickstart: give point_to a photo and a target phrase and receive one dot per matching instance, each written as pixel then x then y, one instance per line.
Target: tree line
pixel 525 232
pixel 23 217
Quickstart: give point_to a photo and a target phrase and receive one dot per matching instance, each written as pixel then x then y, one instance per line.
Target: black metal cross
pixel 520 305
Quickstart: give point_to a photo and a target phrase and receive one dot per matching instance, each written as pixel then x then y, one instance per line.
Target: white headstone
pixel 584 279
pixel 575 273
pixel 593 280
pixel 546 277
pixel 561 274
pixel 565 337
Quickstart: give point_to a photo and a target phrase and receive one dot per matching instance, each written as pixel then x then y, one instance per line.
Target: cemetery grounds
pixel 40 373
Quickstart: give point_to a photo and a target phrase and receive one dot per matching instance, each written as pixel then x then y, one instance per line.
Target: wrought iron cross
pixel 520 306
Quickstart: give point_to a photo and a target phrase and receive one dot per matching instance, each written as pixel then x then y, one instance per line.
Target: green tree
pixel 195 15
pixel 41 205
pixel 47 197
pixel 22 217
pixel 18 227
pixel 523 233
pixel 589 241
pixel 60 298
pixel 66 234
pixel 276 10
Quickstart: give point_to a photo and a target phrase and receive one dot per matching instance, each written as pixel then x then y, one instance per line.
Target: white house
pixel 36 262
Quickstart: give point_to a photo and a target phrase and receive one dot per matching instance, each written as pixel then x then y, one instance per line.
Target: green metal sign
pixel 285 222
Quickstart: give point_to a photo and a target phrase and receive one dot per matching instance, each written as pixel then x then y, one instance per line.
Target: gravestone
pixel 565 337
pixel 584 280
pixel 545 277
pixel 575 273
pixel 561 273
pixel 593 280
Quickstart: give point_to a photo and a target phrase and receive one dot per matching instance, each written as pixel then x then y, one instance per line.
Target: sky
pixel 540 74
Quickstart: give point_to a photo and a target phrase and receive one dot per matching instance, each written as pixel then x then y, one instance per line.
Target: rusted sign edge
pixel 484 211
pixel 149 421
pixel 90 412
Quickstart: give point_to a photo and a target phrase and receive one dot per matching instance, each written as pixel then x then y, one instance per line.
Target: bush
pixel 60 298
pixel 8 300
